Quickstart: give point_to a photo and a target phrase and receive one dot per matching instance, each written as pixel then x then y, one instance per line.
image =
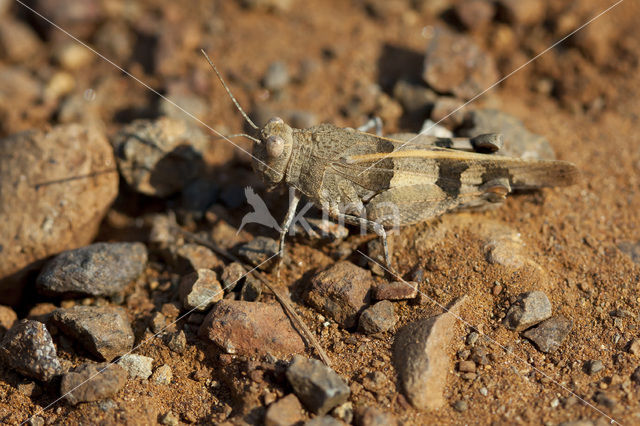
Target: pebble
pixel 36 421
pixel 138 366
pixel 635 376
pixel 416 99
pixel 467 366
pixel 474 14
pixel 28 348
pixel 160 157
pixel 460 405
pixel 631 249
pixel 251 289
pixel 258 250
pixel 318 387
pixel 344 412
pixel 549 334
pixel 177 342
pixel 422 360
pixel 373 416
pixel 169 419
pixel 324 421
pixel 231 275
pixel 18 41
pixel 60 213
pixel 191 257
pixel 530 309
pixel 247 328
pixel 518 141
pixel 448 112
pixel 397 290
pixel 284 412
pixel 594 366
pixel 607 400
pixel 92 382
pixel 8 317
pixel 378 318
pixel 634 347
pixel 454 64
pixel 200 290
pixel 163 375
pixel 472 338
pixel 104 331
pixel 100 269
pixel 521 12
pixel 341 292
pixel 277 76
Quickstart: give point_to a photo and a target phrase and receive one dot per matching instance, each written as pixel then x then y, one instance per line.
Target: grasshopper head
pixel 272 155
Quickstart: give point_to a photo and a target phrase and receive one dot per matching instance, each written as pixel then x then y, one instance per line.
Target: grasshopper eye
pixel 275 120
pixel 275 146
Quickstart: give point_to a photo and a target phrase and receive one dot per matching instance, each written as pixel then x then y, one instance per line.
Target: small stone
pixel 635 376
pixel 247 328
pixel 634 347
pixel 284 412
pixel 251 289
pixel 101 269
pixel 344 412
pixel 277 76
pixel 169 419
pixel 455 64
pixel 594 366
pixel 549 334
pixel 163 375
pixel 341 292
pixel 18 41
pixel 460 405
pixel 422 359
pixel 160 157
pixel 200 290
pixel 42 312
pixel 448 112
pixel 378 318
pixel 474 14
pixel 324 421
pixel 472 338
pixel 92 382
pixel 631 249
pixel 522 12
pixel 36 421
pixel 416 99
pixel 467 366
pixel 7 318
pixel 177 342
pixel 138 366
pixel 104 331
pixel 497 289
pixel 530 309
pixel 397 290
pixel 372 416
pixel 318 386
pixel 232 274
pixel 607 400
pixel 28 348
pixel 260 252
pixel 192 257
pixel 484 391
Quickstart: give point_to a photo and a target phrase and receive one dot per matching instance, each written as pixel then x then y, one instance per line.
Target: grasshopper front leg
pixel 286 224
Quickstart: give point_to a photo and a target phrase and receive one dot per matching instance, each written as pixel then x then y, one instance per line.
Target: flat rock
pixel 138 366
pixel 28 348
pixel 160 157
pixel 104 331
pixel 200 290
pixel 318 387
pixel 422 359
pixel 518 141
pixel 247 328
pixel 100 269
pixel 260 252
pixel 397 290
pixel 454 64
pixel 286 411
pixel 341 292
pixel 92 382
pixel 530 309
pixel 55 188
pixel 549 334
pixel 378 318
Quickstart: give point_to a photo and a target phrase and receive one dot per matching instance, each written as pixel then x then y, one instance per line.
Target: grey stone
pixel 200 290
pixel 92 382
pixel 277 76
pixel 28 348
pixel 530 309
pixel 258 250
pixel 378 318
pixel 104 331
pixel 100 269
pixel 232 274
pixel 251 289
pixel 163 375
pixel 316 385
pixel 422 359
pixel 549 334
pixel 594 366
pixel 177 342
pixel 138 366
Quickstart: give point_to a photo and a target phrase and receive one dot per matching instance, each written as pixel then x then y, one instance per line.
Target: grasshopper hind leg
pixel 373 123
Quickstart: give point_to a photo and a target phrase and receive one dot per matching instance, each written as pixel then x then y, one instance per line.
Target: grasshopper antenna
pixel 244 114
pixel 244 135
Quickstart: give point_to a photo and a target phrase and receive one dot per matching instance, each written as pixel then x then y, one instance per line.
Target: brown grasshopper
pixel 377 182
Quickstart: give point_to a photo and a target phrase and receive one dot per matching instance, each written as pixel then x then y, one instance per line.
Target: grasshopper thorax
pixel 272 154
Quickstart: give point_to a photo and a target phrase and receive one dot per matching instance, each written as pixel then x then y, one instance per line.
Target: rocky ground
pixel 125 285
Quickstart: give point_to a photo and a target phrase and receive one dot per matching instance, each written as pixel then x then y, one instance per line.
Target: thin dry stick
pixel 295 318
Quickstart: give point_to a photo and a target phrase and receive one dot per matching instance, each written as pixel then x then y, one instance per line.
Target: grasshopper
pixel 378 182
